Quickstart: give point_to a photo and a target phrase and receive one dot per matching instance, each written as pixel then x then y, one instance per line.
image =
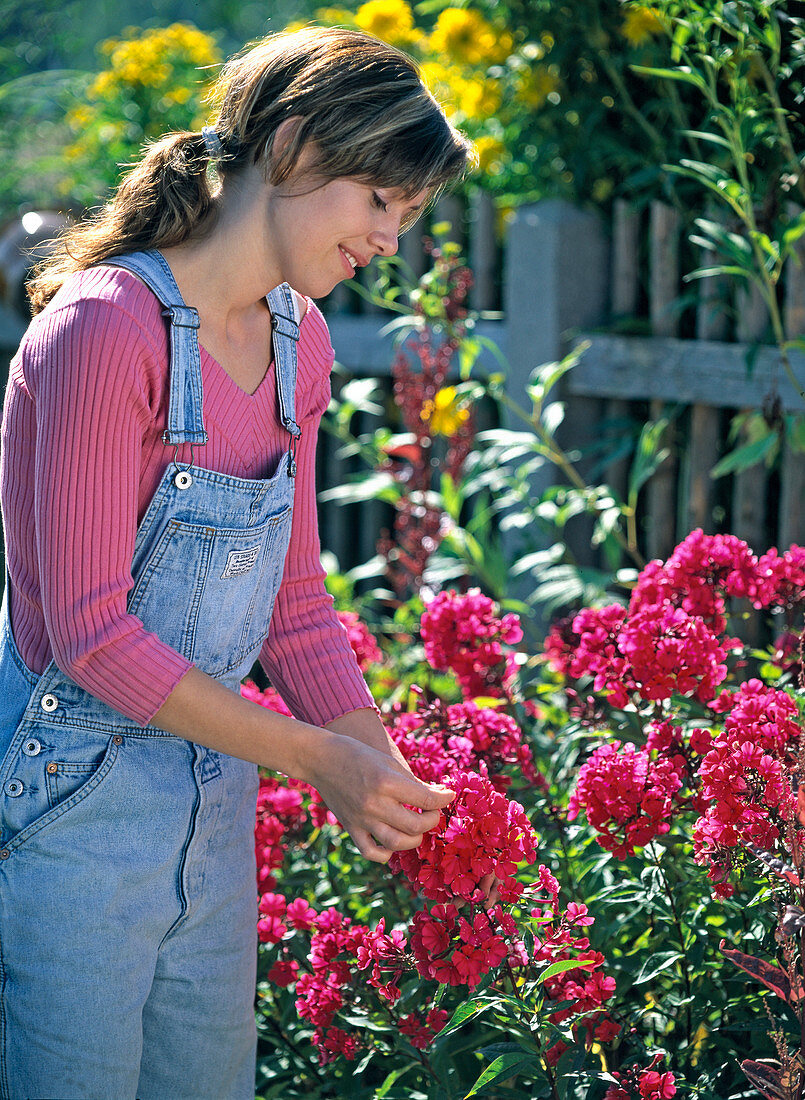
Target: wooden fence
pixel 658 346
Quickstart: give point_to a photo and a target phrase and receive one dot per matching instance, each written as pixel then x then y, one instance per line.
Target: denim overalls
pixel 127 876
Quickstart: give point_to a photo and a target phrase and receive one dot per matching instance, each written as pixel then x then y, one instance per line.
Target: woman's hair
pixel 360 102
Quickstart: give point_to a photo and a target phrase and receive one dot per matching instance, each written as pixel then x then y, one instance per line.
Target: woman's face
pixel 319 234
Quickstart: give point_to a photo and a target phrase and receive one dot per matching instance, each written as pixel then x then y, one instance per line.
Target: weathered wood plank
pixel 699 495
pixel 483 251
pixel 618 411
pixel 360 347
pixel 752 315
pixel 625 259
pixel 664 269
pixel 749 500
pixel 794 277
pixel 690 371
pixel 661 494
pixel 713 306
pixel 791 527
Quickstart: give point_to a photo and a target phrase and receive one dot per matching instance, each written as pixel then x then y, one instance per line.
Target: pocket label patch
pixel 240 562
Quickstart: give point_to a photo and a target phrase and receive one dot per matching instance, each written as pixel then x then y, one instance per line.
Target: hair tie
pixel 212 142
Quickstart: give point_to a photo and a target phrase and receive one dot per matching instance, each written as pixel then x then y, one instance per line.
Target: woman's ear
pixel 285 135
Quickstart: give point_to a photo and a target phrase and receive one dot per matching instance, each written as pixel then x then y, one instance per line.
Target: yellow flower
pixel 491 153
pixel 478 98
pixel 391 20
pixel 640 24
pixel 445 413
pixel 463 35
pixel 463 95
pixel 537 84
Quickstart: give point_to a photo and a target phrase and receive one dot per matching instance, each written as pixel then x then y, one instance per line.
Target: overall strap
pixel 285 334
pixel 185 414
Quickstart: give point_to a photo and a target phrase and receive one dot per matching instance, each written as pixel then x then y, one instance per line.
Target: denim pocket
pixel 208 592
pixel 43 778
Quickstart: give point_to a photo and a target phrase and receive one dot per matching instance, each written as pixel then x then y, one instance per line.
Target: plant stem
pixel 681 935
pixel 558 458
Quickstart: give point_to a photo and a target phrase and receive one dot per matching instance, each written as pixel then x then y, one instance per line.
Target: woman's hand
pixel 371 793
pixel 357 772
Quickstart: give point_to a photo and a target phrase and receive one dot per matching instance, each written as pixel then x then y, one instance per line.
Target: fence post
pixel 791 527
pixel 556 280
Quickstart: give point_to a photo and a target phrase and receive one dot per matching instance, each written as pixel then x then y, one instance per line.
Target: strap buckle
pixel 285 326
pixel 182 316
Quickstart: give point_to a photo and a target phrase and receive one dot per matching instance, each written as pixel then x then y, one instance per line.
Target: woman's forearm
pixel 352 763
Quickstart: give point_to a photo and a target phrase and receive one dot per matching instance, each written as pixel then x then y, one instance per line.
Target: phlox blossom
pixel 627 796
pixel 480 833
pixel 463 633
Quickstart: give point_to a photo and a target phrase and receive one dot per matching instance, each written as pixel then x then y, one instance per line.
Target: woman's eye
pixel 378 202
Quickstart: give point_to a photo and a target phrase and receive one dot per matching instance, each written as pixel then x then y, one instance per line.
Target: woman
pixel 158 497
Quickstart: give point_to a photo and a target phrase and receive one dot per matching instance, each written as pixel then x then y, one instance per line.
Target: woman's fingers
pixel 372 795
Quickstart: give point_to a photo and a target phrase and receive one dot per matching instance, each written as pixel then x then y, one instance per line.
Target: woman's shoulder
pixel 104 291
pixel 101 320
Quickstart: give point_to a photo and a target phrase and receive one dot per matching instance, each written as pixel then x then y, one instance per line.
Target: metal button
pixel 14 788
pixel 32 747
pixel 118 740
pixel 183 480
pixel 52 768
pixel 48 702
pixel 5 853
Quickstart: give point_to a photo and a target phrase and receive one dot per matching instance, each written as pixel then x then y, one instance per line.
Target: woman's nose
pixel 385 241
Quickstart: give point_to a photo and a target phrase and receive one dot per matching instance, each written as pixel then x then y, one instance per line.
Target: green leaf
pixel 702 135
pixel 655 964
pixel 558 968
pixel 392 1078
pixel 683 74
pixel 648 457
pixel 463 1013
pixel 507 1065
pixel 744 457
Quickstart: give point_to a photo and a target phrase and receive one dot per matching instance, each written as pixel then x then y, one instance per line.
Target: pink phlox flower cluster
pixel 277 913
pixel 559 649
pixel 699 573
pixel 438 739
pixel 364 644
pixel 653 653
pixel 464 633
pixel 672 653
pixel 454 949
pixel 339 951
pixel 746 775
pixel 422 1033
pixel 280 813
pixel 627 796
pixel 271 926
pixel 480 833
pixel 582 990
pixel 597 653
pixel 383 952
pixel 642 1084
pixel 780 580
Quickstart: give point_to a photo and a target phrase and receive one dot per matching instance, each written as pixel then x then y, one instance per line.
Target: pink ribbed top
pixel 85 408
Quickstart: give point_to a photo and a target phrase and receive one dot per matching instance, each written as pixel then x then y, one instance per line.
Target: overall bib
pixel 127 873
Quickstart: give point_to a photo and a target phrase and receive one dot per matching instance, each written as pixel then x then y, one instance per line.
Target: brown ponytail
pixel 360 103
pixel 160 202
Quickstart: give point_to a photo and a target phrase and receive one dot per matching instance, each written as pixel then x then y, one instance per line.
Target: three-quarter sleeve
pixel 94 381
pixel 307 654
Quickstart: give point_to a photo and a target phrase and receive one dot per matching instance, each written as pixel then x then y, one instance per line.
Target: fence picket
pixel 483 250
pixel 625 259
